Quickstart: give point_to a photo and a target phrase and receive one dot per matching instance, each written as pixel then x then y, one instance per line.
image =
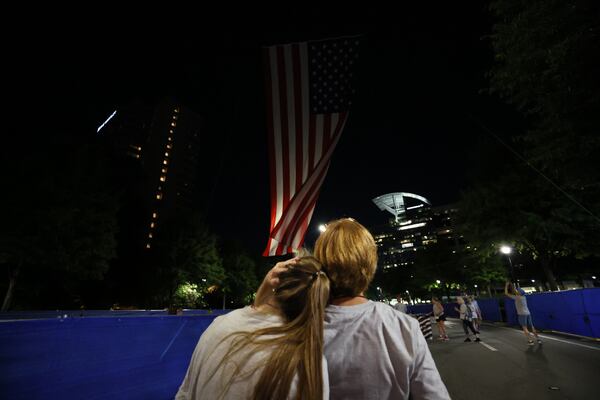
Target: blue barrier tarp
pixel 572 311
pixel 490 310
pixel 97 358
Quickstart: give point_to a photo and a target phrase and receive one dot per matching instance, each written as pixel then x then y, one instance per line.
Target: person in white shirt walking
pixel 466 316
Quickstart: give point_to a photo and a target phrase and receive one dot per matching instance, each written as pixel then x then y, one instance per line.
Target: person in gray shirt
pixel 523 314
pixel 372 350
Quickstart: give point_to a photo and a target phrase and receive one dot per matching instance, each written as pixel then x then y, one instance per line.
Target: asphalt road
pixel 503 366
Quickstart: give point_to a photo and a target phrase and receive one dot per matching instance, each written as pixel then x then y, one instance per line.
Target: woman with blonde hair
pixel 272 350
pixel 372 350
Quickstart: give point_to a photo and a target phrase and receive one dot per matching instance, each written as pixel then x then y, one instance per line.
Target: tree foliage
pixel 59 221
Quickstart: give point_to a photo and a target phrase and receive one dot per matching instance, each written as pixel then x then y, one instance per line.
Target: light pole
pixel 409 299
pixel 507 250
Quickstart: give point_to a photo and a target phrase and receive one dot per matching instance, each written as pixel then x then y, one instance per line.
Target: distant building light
pixel 147 245
pixel 173 124
pixel 406 222
pixel 170 139
pixel 137 156
pixel 163 178
pixel 165 162
pixel 177 110
pixel 150 235
pixel 154 215
pixel 158 196
pixel 420 224
pixel 152 225
pixel 412 207
pixel 166 154
pixel 322 228
pixel 105 122
pixel 169 146
pixel 405 245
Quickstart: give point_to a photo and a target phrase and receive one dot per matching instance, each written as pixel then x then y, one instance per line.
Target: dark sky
pixel 421 72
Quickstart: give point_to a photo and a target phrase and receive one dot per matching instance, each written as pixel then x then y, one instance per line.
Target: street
pixel 503 366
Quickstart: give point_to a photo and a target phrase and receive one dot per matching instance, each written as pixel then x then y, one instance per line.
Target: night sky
pixel 421 73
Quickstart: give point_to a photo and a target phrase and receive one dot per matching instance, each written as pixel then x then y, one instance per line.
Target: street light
pixel 438 281
pixel 507 250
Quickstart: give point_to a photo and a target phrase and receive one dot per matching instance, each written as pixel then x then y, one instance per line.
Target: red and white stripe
pixel 300 146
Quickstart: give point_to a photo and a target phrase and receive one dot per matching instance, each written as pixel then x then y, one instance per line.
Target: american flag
pixel 309 92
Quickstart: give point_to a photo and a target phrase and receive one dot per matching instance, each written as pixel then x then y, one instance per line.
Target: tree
pixel 546 58
pixel 60 219
pixel 441 261
pixel 240 275
pixel 187 253
pixel 521 208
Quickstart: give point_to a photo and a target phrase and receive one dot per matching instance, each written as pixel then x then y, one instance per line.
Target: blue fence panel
pixel 510 311
pixel 490 309
pixel 572 311
pixel 591 304
pixel 420 309
pixel 45 314
pixel 449 310
pixel 97 358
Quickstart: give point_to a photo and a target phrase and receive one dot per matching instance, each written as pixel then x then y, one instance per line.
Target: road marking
pixel 488 346
pixel 551 338
pixel 575 344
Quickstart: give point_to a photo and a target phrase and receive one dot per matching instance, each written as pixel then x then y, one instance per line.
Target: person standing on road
pixel 440 317
pixel 400 305
pixel 523 314
pixel 477 313
pixel 466 317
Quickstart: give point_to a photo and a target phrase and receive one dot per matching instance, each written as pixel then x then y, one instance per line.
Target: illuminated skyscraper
pixel 415 225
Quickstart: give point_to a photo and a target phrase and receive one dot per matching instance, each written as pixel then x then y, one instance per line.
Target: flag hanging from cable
pixel 309 88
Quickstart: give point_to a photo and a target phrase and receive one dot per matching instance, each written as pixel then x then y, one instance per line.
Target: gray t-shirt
pixel 520 304
pixel 375 352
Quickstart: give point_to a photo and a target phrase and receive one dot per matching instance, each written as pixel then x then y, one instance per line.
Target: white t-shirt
pixel 375 352
pixel 520 304
pixel 211 349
